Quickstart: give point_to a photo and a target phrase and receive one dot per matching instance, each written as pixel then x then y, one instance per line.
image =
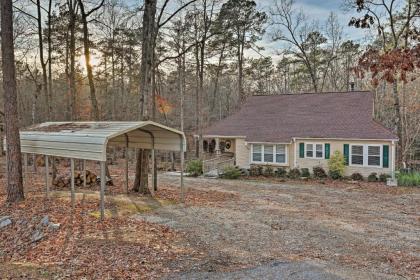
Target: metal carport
pixel 89 140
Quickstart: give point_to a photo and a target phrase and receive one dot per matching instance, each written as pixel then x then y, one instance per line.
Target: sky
pixel 314 10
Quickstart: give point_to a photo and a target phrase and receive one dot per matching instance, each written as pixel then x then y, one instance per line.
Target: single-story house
pixel 304 130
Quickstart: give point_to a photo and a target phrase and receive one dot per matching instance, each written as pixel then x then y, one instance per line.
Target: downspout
pixel 393 160
pixel 294 153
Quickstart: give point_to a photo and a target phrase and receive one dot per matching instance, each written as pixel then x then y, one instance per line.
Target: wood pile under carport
pixel 64 181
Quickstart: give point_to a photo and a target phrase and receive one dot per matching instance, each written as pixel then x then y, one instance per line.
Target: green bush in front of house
pixel 268 171
pixel 373 177
pixel 255 170
pixel 194 168
pixel 336 165
pixel 357 177
pixel 305 172
pixel 230 172
pixel 294 173
pixel 383 177
pixel 411 179
pixel 281 172
pixel 319 172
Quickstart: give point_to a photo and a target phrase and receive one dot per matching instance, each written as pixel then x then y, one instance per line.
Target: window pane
pixel 374 160
pixel 280 149
pixel 281 153
pixel 357 154
pixel 268 153
pixel 356 159
pixel 280 158
pixel 374 150
pixel 256 152
pixel 309 150
pixel 357 150
pixel 319 150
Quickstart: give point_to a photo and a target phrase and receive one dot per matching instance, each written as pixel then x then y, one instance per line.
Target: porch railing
pixel 217 164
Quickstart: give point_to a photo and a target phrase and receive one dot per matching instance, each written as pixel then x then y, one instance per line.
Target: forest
pixel 188 64
pixel 109 74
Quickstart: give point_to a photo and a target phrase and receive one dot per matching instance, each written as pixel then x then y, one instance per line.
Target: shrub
pixel 409 179
pixel 383 177
pixel 268 171
pixel 305 172
pixel 336 165
pixel 319 172
pixel 195 167
pixel 255 170
pixel 281 172
pixel 357 176
pixel 335 174
pixel 230 172
pixel 294 173
pixel 373 177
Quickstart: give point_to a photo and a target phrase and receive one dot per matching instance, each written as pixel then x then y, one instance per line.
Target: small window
pixel 256 152
pixel 319 151
pixel 281 153
pixel 268 153
pixel 374 155
pixel 357 154
pixel 309 150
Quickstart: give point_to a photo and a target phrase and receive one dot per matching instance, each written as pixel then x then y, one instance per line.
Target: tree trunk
pixel 49 57
pixel 72 76
pixel 43 63
pixel 147 63
pixel 93 100
pixel 398 123
pixel 14 157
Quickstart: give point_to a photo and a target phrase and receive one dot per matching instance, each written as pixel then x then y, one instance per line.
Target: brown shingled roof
pixel 279 118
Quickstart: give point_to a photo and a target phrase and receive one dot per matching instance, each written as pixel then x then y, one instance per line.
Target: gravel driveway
pixel 283 231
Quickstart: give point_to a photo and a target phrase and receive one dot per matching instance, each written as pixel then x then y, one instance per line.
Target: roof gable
pixel 281 117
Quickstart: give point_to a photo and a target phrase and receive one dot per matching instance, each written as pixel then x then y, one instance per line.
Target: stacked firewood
pixel 64 181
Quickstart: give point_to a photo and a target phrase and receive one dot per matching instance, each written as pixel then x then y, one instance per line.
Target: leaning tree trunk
pixel 14 157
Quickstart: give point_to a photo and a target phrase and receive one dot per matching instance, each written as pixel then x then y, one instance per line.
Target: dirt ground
pixel 227 229
pixel 328 232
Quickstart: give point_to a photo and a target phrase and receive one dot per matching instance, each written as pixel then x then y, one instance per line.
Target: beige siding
pixel 339 146
pixel 242 153
pixel 243 150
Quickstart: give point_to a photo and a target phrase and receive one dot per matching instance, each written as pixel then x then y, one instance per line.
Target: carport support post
pixel 102 192
pixel 72 182
pixel 84 173
pixel 47 173
pixel 25 167
pixel 126 162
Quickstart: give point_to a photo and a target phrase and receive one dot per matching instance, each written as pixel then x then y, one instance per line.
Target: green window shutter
pixel 327 151
pixel 301 150
pixel 385 156
pixel 346 153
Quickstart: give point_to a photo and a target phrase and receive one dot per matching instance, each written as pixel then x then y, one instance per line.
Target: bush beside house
pixel 194 168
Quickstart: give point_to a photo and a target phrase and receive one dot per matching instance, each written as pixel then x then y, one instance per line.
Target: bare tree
pixel 86 44
pixel 14 158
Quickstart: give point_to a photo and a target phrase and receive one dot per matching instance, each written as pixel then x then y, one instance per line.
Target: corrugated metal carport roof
pixel 88 140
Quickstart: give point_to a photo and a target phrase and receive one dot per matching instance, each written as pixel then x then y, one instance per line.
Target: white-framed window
pixel 281 153
pixel 374 155
pixel 366 155
pixel 269 153
pixel 314 150
pixel 256 153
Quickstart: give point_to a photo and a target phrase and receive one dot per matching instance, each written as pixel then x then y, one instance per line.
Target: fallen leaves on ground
pixel 121 248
